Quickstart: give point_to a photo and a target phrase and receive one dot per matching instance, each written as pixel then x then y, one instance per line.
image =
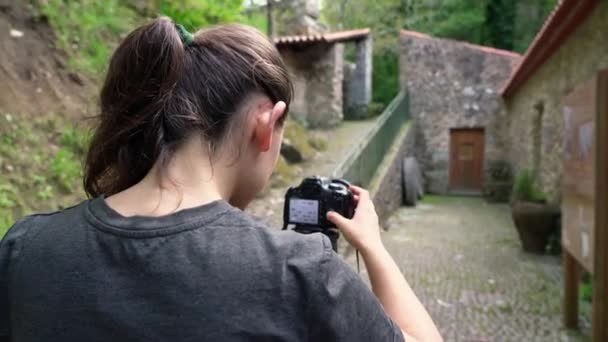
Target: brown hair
pixel 158 91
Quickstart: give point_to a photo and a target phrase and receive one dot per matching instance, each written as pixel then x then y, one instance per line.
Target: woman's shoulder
pixel 284 243
pixel 30 226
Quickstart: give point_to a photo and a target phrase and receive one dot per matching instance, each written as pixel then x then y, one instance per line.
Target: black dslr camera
pixel 307 205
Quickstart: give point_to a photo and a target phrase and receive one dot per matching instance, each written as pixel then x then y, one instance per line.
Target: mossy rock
pixel 318 142
pixel 283 174
pixel 298 137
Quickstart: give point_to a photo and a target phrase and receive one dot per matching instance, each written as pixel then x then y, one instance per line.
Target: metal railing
pixel 363 160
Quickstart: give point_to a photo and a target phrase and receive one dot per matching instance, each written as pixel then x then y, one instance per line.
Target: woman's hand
pixel 363 230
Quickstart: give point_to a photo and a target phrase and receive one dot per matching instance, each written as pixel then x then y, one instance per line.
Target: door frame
pixel 451 188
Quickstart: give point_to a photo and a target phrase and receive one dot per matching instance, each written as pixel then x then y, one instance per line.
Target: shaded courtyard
pixel 463 258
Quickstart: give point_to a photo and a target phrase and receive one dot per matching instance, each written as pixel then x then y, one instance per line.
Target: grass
pixel 41 162
pixel 88 30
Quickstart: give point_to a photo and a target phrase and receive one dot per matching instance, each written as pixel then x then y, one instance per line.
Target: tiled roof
pixel 331 37
pixel 565 18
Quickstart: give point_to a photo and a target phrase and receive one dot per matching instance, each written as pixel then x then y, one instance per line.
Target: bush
pixel 65 169
pixel 524 188
pixel 6 221
pixel 75 140
pixel 385 77
pixel 586 289
pixel 194 14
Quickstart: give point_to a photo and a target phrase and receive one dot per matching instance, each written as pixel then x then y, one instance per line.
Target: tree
pixel 500 23
pixel 194 14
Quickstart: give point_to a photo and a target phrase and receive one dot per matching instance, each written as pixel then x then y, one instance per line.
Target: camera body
pixel 307 205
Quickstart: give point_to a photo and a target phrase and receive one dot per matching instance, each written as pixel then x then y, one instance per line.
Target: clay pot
pixel 534 222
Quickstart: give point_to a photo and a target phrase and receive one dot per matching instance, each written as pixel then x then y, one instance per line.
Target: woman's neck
pixel 189 180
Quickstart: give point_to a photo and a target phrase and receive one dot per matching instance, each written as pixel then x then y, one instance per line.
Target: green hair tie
pixel 187 37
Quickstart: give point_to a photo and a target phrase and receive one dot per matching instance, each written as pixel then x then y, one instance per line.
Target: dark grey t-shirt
pixel 210 273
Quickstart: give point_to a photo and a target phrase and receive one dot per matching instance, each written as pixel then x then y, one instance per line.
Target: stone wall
pixel 535 125
pixel 317 73
pixel 358 82
pixel 453 85
pixel 387 194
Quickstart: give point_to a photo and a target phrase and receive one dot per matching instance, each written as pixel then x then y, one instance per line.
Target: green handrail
pixel 361 163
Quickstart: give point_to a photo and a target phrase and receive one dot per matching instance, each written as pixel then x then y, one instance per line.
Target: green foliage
pixel 529 18
pixel 505 24
pixel 500 23
pixel 456 19
pixel 32 173
pixel 76 140
pixel 524 188
pixel 87 28
pixel 384 18
pixel 256 19
pixel 65 168
pixel 554 246
pixel 385 77
pixel 8 195
pixel 194 14
pixel 6 221
pixel 586 288
pixel 297 135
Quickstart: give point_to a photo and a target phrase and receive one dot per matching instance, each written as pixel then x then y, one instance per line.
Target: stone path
pixel 463 259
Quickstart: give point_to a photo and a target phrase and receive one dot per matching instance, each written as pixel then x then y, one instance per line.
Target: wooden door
pixel 466 160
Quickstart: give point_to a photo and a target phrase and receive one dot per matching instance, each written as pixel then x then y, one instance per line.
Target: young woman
pixel 190 130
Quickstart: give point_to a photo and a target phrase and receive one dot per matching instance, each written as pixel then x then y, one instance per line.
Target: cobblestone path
pixel 463 259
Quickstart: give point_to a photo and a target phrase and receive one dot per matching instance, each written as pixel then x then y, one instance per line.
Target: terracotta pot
pixel 534 222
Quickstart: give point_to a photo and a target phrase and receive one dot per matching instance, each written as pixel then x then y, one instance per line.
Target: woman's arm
pixel 388 284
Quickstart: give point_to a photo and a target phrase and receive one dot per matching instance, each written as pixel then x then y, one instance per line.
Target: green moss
pixel 298 136
pixel 318 142
pixel 283 174
pixel 375 109
pixel 437 199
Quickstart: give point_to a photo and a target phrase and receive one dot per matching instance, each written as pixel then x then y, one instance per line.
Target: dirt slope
pixel 34 80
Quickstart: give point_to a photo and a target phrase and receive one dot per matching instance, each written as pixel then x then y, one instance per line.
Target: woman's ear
pixel 265 122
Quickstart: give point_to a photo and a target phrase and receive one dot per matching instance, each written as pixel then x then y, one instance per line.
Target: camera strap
pixel 357 254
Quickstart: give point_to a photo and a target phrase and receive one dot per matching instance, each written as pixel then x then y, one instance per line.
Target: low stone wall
pixel 386 188
pixel 535 123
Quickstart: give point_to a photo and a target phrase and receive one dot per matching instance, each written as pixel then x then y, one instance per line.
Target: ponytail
pixel 163 84
pixel 131 136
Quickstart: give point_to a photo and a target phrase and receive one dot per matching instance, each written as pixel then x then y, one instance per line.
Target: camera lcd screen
pixel 303 211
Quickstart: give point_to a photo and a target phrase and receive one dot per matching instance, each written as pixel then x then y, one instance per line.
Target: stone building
pixel 316 62
pixel 454 90
pixel 570 50
pixel 481 113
